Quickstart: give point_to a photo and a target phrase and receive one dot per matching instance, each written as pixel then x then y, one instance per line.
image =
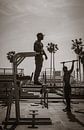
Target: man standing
pixel 38 48
pixel 67 86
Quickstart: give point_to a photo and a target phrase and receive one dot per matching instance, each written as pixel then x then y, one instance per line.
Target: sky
pixel 20 20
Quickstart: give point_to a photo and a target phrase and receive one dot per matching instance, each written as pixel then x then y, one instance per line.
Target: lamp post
pixel 52 48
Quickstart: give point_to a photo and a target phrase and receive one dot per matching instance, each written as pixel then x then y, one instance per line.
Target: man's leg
pixel 37 72
pixel 69 98
pixel 68 103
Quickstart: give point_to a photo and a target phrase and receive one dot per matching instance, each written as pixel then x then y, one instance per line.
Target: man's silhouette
pixel 67 86
pixel 38 48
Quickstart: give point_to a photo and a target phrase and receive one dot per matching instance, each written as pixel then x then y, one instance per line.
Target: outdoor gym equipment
pixel 44 95
pixel 17 59
pixel 33 113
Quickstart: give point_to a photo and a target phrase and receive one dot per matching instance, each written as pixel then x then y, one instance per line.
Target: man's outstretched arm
pixel 71 70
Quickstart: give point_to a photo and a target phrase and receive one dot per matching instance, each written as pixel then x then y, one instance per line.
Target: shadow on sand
pixel 73 118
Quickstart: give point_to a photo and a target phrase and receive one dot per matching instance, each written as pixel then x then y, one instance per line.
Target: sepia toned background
pixel 20 21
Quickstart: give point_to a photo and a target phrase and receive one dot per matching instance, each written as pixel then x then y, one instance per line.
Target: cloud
pixel 37 7
pixel 43 8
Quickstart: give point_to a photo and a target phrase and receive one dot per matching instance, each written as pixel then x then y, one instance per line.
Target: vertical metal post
pixel 47 98
pixel 77 68
pixel 17 107
pixel 4 71
pixel 51 69
pixel 45 77
pixel 74 74
pixel 83 72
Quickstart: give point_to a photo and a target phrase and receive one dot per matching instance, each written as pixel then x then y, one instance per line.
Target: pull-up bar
pixel 68 61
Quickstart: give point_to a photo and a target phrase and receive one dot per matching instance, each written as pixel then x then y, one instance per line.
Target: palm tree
pixel 10 56
pixel 77 46
pixel 52 48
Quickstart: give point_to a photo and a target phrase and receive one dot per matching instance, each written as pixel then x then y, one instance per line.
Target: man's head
pixel 65 69
pixel 40 36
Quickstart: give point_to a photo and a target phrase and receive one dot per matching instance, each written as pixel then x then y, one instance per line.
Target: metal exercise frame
pixel 17 59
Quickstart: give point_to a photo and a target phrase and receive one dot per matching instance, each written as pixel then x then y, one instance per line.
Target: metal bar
pixel 83 72
pixel 28 121
pixel 51 68
pixel 77 68
pixel 20 60
pixel 17 106
pixel 54 68
pixel 25 54
pixel 15 58
pixel 4 71
pixel 61 97
pixel 53 87
pixel 68 61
